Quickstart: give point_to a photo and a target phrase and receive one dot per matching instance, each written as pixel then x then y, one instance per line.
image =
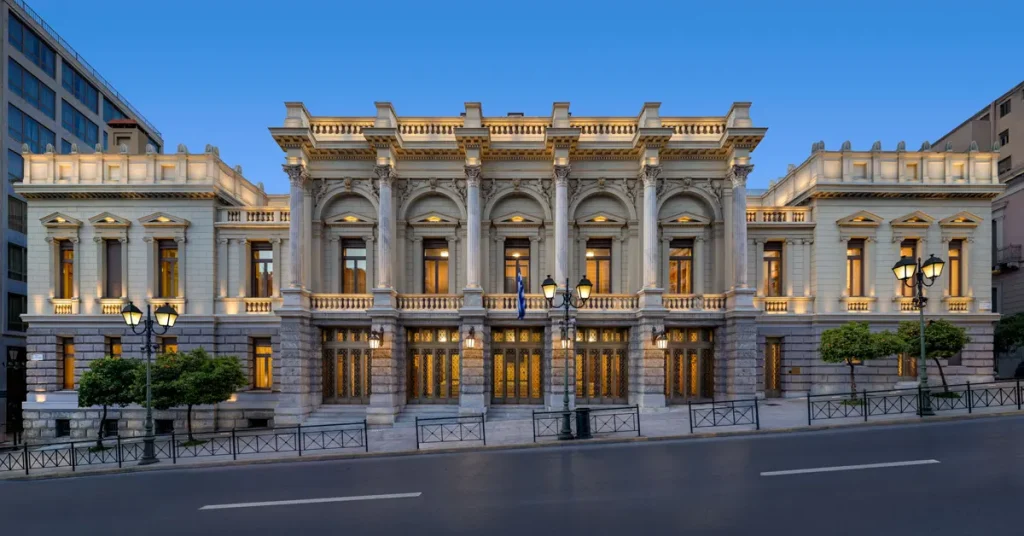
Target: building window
pixel 17 215
pixel 263 364
pixel 1005 165
pixel 956 283
pixel 995 299
pixel 110 428
pixel 77 85
pixel 906 366
pixel 151 141
pixel 63 427
pixel 168 258
pixel 113 286
pixel 517 258
pixel 353 266
pixel 31 45
pixel 912 171
pixel 1004 107
pixel 17 262
pixel 773 269
pixel 855 267
pixel 168 345
pixel 67 270
pixel 164 426
pixel 908 248
pixel 1004 138
pixel 111 111
pixel 112 347
pixel 78 124
pixel 435 266
pixel 68 362
pixel 680 267
pixel 599 265
pixel 106 141
pixel 262 275
pixel 25 85
pixel 17 305
pixel 15 167
pixel 24 129
pixel 65 146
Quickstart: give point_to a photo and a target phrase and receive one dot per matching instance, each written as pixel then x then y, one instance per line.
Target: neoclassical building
pixel 408 232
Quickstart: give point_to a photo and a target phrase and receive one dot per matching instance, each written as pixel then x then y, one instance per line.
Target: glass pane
pixel 429 366
pixel 417 384
pixel 442 374
pixel 498 335
pixel 524 374
pixel 537 336
pixel 429 277
pixel 693 373
pixel 524 335
pixel 535 381
pixel 342 369
pixel 510 376
pixel 579 374
pixel 442 335
pixel 499 375
pixel 685 277
pixel 604 283
pixel 673 278
pixel 442 277
pixel 455 375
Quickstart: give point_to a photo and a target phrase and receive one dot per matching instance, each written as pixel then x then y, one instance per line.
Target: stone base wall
pixel 41 424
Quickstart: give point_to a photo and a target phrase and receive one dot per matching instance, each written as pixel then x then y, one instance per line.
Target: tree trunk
pixel 188 419
pixel 853 380
pixel 942 375
pixel 99 434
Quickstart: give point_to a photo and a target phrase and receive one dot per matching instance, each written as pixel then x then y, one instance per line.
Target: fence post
pixel 808 408
pixel 920 401
pixel 865 401
pixel 118 451
pixel 72 449
pixel 234 446
pixel 366 437
pixel 1018 393
pixel 417 433
pixel 25 443
pixel 533 424
pixel 689 408
pixel 483 428
pixel 757 416
pixel 298 438
pixel 174 449
pixel 970 404
pixel 637 407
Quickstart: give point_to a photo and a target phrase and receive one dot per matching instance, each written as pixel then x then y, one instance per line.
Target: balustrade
pixel 429 302
pixel 255 215
pixel 341 302
pixel 510 301
pixel 693 302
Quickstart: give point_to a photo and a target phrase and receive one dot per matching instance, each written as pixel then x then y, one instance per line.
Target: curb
pixel 519 446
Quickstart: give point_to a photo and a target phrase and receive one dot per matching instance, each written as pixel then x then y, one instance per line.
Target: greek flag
pixel 520 295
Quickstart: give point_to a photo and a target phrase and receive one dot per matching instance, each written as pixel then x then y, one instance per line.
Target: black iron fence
pixel 450 429
pixel 173 447
pixel 724 413
pixel 867 404
pixel 600 421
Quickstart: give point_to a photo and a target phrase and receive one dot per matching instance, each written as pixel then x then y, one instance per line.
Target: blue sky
pixel 218 71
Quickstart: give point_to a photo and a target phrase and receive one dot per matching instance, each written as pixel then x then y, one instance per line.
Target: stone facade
pixel 408 232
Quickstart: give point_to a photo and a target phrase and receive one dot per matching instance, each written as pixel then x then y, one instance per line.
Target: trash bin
pixel 583 423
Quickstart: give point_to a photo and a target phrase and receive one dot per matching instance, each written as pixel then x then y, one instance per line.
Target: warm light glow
pixel 905 268
pixel 685 219
pixel 583 288
pixel 590 254
pixel 566 343
pixel 40 398
pixel 600 219
pixel 444 253
pixel 662 343
pixel 433 219
pixel 163 219
pixel 132 315
pixel 60 220
pixel 859 218
pixel 515 255
pixel 549 286
pixel 166 316
pixel 233 397
pixel 517 219
pixel 351 219
pixel 932 267
pixel 108 219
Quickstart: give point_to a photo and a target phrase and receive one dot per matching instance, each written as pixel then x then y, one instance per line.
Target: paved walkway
pixel 774 414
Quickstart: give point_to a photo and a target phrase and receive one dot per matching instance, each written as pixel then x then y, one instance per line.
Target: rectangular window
pixel 110 428
pixel 17 305
pixel 65 146
pixel 67 269
pixel 17 262
pixel 68 362
pixel 112 347
pixel 1004 107
pixel 31 45
pixel 680 267
pixel 168 345
pixel 35 92
pixel 15 167
pixel 908 248
pixel 24 129
pixel 63 427
pixel 168 259
pixel 435 266
pixel 353 266
pixel 78 124
pixel 113 286
pixel 1004 138
pixel 263 364
pixel 773 269
pixel 111 111
pixel 17 215
pixel 77 85
pixel 599 265
pixel 995 299
pixel 1005 165
pixel 517 258
pixel 855 267
pixel 262 265
pixel 163 426
pixel 912 172
pixel 956 279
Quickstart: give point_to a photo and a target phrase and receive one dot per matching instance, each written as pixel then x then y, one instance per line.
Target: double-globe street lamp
pixel 165 318
pixel 913 273
pixel 582 294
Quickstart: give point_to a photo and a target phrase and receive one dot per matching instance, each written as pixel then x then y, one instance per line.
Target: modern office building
pixel 53 100
pixel 383 284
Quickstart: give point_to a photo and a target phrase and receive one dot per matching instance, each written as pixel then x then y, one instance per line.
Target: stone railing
pixel 776 305
pixel 340 127
pixel 341 302
pixel 517 128
pixel 254 215
pixel 779 215
pixel 906 304
pixel 509 301
pixel 429 302
pixel 605 127
pixel 958 304
pixel 693 302
pixel 111 306
pixel 858 304
pixel 258 305
pixel 65 306
pixel 612 302
pixel 425 127
pixel 694 127
pixel 785 305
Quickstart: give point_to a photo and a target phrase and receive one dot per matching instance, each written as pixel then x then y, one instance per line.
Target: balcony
pixel 693 302
pixel 65 306
pixel 111 306
pixel 612 302
pixel 341 302
pixel 858 304
pixel 958 304
pixel 261 216
pixel 772 216
pixel 1007 259
pixel 429 302
pixel 505 302
pixel 781 305
pixel 906 305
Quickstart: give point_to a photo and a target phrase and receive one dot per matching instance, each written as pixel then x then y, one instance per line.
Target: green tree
pixel 853 342
pixel 942 339
pixel 108 382
pixel 1009 333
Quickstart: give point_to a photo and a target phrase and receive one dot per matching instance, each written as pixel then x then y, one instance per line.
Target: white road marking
pixel 849 467
pixel 313 501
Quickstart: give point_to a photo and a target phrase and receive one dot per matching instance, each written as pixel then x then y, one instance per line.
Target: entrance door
pixel 602 365
pixel 433 365
pixel 773 367
pixel 517 365
pixel 346 359
pixel 689 365
pixel 16 387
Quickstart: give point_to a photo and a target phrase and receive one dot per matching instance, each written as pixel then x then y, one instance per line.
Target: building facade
pixel 51 98
pixel 414 228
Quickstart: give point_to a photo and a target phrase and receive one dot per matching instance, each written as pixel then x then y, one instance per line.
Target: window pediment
pixel 58 220
pixel 962 220
pixel 349 218
pixel 108 220
pixel 517 218
pixel 433 218
pixel 685 218
pixel 916 219
pixel 600 218
pixel 162 219
pixel 860 219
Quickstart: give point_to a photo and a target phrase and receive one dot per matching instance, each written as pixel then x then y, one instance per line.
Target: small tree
pixel 1009 333
pixel 942 339
pixel 854 342
pixel 108 382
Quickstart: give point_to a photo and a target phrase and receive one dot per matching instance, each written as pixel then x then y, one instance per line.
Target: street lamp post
pixel 165 318
pixel 913 274
pixel 583 289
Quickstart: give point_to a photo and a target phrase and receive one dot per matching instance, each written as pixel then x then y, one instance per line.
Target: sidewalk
pixel 674 422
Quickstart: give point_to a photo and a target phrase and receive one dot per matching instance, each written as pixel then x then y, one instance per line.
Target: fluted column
pixel 417 265
pixel 243 272
pixel 698 265
pixel 276 245
pixel 650 177
pixel 386 177
pixel 618 279
pixel 297 178
pixel 869 266
pixel 76 264
pixel 787 265
pixel 758 267
pixel 223 244
pixel 101 266
pixel 371 266
pixel 182 268
pixel 561 223
pixel 124 266
pixel 473 227
pixel 453 263
pixel 534 275
pixel 335 270
pixel 807 243
pixel 738 175
pixel 151 275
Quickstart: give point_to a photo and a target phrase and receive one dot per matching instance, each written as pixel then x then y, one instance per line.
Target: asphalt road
pixel 960 478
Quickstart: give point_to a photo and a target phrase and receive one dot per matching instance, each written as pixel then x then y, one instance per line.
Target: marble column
pixel 561 223
pixel 499 264
pixel 182 268
pixel 101 266
pixel 151 275
pixel 243 272
pixel 869 267
pixel 534 275
pixel 698 265
pixel 738 175
pixel 453 264
pixel 473 227
pixel 417 265
pixel 386 177
pixel 758 266
pixel 334 268
pixel 371 266
pixel 297 177
pixel 124 267
pixel 76 264
pixel 223 244
pixel 618 277
pixel 787 265
pixel 807 278
pixel 275 244
pixel 650 177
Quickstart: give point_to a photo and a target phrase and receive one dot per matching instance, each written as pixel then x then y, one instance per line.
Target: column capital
pixel 275 241
pixel 242 241
pixel 452 238
pixel 562 174
pixel 738 174
pixel 649 174
pixel 700 238
pixel 98 239
pixel 123 239
pixel 297 174
pixel 223 241
pixel 334 238
pixel 536 238
pixel 417 239
pixel 181 239
pixel 368 238
pixel 385 173
pixel 473 175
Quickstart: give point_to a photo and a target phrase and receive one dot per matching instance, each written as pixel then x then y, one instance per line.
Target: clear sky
pixel 219 71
